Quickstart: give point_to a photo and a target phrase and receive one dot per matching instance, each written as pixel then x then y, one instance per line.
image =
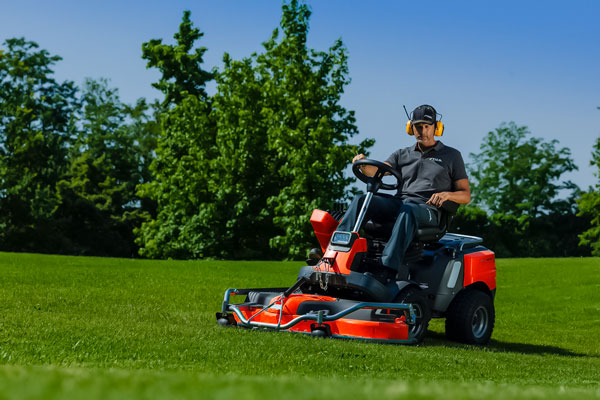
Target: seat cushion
pixel 430 234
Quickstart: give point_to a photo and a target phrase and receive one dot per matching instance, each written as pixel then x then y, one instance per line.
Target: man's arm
pixel 461 194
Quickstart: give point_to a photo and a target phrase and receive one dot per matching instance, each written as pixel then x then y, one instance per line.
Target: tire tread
pixel 460 314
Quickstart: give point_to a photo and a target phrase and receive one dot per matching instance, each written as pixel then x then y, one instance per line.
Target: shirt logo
pixel 435 159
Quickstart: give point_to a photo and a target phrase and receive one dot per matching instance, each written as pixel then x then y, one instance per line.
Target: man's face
pixel 424 134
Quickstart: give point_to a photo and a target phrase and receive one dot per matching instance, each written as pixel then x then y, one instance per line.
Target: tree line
pixel 521 204
pixel 236 174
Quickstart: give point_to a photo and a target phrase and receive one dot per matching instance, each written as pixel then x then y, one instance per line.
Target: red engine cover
pixel 324 225
pixel 480 267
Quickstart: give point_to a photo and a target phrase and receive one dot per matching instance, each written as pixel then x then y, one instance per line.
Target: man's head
pixel 423 125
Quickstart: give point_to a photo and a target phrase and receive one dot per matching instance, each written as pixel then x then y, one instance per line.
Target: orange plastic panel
pixel 324 225
pixel 480 267
pixel 343 260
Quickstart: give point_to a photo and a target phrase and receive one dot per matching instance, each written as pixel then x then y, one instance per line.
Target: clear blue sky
pixel 479 63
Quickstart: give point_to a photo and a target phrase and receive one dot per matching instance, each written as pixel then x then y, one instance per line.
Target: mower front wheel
pixel 415 296
pixel 470 318
pixel 225 320
pixel 320 331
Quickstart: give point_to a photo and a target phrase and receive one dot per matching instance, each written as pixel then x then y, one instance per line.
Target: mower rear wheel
pixel 470 318
pixel 415 296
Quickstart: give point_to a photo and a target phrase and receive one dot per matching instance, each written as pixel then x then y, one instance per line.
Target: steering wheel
pixel 375 182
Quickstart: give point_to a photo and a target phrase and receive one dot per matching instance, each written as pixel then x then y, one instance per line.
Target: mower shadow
pixel 439 339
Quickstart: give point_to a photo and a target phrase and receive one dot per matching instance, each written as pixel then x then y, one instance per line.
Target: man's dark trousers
pixel 409 216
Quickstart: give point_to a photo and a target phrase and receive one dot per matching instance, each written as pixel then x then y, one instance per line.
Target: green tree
pixel 179 64
pixel 305 149
pixel 517 175
pixel 238 174
pixel 180 185
pixel 186 221
pixel 282 141
pixel 589 204
pixel 36 129
pixel 516 182
pixel 99 207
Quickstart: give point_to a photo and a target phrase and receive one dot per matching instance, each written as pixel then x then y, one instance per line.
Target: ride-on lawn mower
pixel 344 292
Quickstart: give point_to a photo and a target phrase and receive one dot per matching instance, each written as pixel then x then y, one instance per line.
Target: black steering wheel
pixel 375 182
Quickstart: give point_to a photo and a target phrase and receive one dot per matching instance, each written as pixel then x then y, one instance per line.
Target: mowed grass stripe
pixel 99 314
pixel 91 383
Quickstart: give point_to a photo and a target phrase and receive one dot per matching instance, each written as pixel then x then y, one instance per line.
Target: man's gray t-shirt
pixel 429 172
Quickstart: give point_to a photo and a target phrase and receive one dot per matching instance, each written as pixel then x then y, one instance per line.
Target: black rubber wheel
pixel 225 319
pixel 319 332
pixel 415 296
pixel 470 317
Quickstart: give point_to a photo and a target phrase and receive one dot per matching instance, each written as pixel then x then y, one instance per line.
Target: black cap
pixel 424 114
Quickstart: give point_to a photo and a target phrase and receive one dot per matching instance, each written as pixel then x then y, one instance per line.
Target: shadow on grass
pixel 439 339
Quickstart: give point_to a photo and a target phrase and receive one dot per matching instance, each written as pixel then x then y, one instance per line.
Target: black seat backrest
pixel 434 233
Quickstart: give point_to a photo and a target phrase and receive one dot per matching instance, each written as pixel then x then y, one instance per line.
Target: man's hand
pixel 439 198
pixel 358 157
pixel 461 194
pixel 368 170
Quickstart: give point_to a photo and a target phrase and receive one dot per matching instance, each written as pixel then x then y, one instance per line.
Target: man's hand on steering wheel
pixel 358 157
pixel 375 181
pixel 368 170
pixel 439 198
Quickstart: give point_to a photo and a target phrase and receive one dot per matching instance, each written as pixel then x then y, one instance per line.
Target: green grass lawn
pixel 114 328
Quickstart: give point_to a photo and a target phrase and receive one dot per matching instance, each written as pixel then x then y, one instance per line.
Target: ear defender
pixel 439 128
pixel 409 128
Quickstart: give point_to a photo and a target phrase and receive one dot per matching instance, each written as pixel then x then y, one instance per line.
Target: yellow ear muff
pixel 439 129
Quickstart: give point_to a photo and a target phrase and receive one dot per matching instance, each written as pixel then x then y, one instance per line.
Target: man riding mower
pixel 388 267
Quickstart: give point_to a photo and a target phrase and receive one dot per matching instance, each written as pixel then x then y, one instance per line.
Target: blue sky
pixel 479 63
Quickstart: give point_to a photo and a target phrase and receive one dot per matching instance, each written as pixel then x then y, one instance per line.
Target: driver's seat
pixel 383 231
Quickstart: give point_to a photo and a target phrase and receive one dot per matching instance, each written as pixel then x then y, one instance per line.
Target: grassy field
pixel 113 328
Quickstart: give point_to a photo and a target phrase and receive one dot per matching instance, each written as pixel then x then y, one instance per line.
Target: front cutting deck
pixel 321 315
